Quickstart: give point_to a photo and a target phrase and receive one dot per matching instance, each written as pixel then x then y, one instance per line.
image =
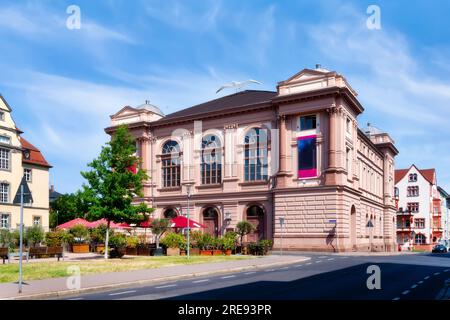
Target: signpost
pixel 370 226
pixel 23 195
pixel 282 225
pixel 188 187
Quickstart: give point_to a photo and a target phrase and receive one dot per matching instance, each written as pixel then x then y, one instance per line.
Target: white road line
pixel 319 261
pixel 298 265
pixel 120 293
pixel 167 286
pixel 76 299
pixel 270 270
pixel 284 268
pixel 414 286
pixel 406 292
pixel 330 259
pixel 199 281
pixel 322 257
pixel 427 277
pixel 226 277
pixel 309 263
pixel 437 273
pixel 446 270
pixel 251 272
pixel 420 282
pixel 344 257
pixel 397 298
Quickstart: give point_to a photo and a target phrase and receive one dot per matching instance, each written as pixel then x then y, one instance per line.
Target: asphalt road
pixel 324 277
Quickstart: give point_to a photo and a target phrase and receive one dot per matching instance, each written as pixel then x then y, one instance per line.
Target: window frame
pixel 8 220
pixel 171 165
pixel 301 129
pixel 256 154
pixel 211 172
pixel 2 193
pixel 5 163
pixel 29 177
pixel 312 171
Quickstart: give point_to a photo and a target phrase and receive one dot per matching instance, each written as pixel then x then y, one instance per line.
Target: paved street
pixel 324 276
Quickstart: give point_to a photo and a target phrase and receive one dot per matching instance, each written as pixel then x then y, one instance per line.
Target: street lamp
pixel 281 219
pixel 188 191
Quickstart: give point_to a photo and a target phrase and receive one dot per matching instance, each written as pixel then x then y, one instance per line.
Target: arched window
pixel 170 213
pixel 256 154
pixel 171 164
pixel 420 239
pixel 211 165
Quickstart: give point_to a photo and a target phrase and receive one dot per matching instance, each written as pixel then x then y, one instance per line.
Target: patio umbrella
pixel 112 225
pixel 74 222
pixel 182 222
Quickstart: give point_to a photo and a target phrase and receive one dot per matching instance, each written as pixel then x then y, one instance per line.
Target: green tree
pixel 68 207
pixel 159 227
pixel 112 184
pixel 35 235
pixel 243 228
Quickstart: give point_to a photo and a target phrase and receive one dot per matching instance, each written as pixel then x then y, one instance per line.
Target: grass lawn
pixel 45 270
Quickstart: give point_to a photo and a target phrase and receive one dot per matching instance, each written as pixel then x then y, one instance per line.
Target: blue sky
pixel 63 84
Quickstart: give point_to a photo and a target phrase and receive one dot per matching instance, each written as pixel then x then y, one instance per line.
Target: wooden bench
pixel 46 251
pixel 4 254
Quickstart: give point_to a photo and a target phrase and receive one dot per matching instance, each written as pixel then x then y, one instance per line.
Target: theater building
pixel 295 153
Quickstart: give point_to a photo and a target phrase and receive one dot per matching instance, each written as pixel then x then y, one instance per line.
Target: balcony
pixel 402 212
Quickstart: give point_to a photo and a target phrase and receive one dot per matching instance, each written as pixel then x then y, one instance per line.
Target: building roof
pixel 36 156
pixel 428 174
pixel 150 107
pixel 371 129
pixel 243 98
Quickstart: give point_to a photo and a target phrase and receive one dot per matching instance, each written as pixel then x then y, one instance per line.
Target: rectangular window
pixel 347 160
pixel 36 221
pixel 413 206
pixel 348 125
pixel 27 174
pixel 2 116
pixel 4 192
pixel 307 158
pixel 308 123
pixel 5 139
pixel 4 221
pixel 420 223
pixel 4 159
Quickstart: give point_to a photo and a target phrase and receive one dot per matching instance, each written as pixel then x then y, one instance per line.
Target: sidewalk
pixel 48 288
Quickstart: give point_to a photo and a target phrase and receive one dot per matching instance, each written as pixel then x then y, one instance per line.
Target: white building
pixel 445 212
pixel 419 208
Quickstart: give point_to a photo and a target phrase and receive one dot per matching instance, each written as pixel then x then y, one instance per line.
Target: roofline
pixel 6 103
pixel 366 139
pixel 37 164
pixel 420 171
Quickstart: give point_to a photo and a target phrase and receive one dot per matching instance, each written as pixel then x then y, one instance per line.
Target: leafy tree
pixel 35 235
pixel 243 228
pixel 68 207
pixel 159 227
pixel 112 184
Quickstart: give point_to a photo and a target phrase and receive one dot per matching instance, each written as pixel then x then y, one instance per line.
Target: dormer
pixel 143 113
pixel 310 80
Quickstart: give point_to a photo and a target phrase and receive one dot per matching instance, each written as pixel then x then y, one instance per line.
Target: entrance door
pixel 255 215
pixel 211 221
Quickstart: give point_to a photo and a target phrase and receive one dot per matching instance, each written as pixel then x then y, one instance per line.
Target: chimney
pixel 318 66
pixel 52 188
pixel 147 101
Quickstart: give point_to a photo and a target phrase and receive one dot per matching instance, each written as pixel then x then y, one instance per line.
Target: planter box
pixel 80 248
pixel 131 251
pixel 100 248
pixel 217 252
pixel 227 252
pixel 194 252
pixel 173 251
pixel 206 252
pixel 117 252
pixel 158 252
pixel 143 251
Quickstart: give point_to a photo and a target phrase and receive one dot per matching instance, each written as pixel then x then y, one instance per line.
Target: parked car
pixel 439 249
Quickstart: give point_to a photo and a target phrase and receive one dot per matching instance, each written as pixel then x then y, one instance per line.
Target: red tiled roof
pixel 36 156
pixel 428 174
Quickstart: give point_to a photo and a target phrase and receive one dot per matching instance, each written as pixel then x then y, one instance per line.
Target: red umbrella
pixel 112 225
pixel 74 222
pixel 146 224
pixel 182 222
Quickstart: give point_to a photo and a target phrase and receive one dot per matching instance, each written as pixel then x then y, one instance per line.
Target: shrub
pixel 195 235
pixel 173 240
pixel 34 235
pixel 16 239
pixel 244 228
pixel 6 239
pixel 54 238
pixel 98 234
pixel 229 243
pixel 80 233
pixel 159 227
pixel 266 244
pixel 118 240
pixel 205 242
pixel 132 242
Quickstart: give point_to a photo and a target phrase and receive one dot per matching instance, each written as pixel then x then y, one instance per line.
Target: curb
pixel 64 293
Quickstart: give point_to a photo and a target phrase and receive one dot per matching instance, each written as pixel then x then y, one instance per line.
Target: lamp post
pixel 188 191
pixel 282 229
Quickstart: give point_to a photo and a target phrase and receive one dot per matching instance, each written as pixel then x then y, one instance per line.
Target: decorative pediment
pixel 125 111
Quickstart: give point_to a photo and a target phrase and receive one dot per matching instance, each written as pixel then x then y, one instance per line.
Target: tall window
pixel 420 239
pixel 308 122
pixel 4 159
pixel 347 160
pixel 4 221
pixel 2 116
pixel 27 174
pixel 412 177
pixel 307 158
pixel 396 192
pixel 413 191
pixel 171 164
pixel 36 221
pixel 211 165
pixel 256 154
pixel 420 223
pixel 4 192
pixel 413 206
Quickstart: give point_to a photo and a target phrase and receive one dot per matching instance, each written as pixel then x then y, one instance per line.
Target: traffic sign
pixel 27 197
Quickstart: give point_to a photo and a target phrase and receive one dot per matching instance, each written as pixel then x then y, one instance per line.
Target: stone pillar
pixel 283 172
pixel 230 150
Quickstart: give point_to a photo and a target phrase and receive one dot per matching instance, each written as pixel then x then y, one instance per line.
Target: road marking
pixel 322 257
pixel 397 298
pixel 437 273
pixel 298 265
pixel 330 259
pixel 251 272
pixel 76 299
pixel 308 263
pixel 226 277
pixel 319 261
pixel 284 268
pixel 344 257
pixel 427 277
pixel 420 282
pixel 270 270
pixel 199 281
pixel 406 292
pixel 167 286
pixel 120 293
pixel 446 270
pixel 414 286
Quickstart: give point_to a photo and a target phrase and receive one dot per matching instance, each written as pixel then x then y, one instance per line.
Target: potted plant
pixel 195 235
pixel 159 227
pixel 205 244
pixel 243 228
pixel 217 245
pixel 97 236
pixel 6 239
pixel 266 245
pixel 173 241
pixel 143 249
pixel 117 243
pixel 35 235
pixel 80 239
pixel 229 242
pixel 132 244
